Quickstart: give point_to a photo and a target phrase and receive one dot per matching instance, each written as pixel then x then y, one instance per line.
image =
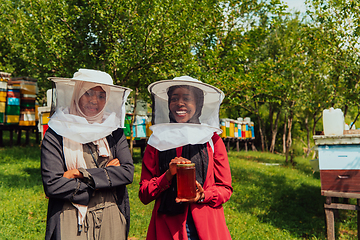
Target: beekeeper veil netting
pixel 185 111
pixel 85 125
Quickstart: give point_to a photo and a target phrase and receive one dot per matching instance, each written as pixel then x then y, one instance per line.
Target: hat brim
pixel 160 88
pixel 73 81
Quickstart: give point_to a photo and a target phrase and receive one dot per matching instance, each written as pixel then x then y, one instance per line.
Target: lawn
pixel 270 201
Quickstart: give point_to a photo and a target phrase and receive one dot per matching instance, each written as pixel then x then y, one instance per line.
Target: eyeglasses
pixel 98 94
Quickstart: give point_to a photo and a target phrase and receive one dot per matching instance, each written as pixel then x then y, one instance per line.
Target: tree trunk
pixel 315 122
pixel 307 136
pixel 261 133
pixel 271 117
pixel 253 148
pixel 261 128
pixel 265 138
pixel 284 135
pixel 131 147
pixel 289 139
pixel 274 130
pixel 345 110
pixel 357 115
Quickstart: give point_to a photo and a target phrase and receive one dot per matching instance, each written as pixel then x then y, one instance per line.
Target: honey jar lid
pixel 186 165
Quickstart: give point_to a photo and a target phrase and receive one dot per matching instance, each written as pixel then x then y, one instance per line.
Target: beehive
pixel 339 162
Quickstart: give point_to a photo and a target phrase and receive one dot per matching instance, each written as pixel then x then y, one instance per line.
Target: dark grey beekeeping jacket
pixel 60 189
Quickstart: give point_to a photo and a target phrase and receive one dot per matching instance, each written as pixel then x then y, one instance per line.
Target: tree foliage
pixel 137 42
pixel 281 68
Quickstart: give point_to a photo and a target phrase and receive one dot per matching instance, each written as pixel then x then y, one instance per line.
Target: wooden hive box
pixel 339 162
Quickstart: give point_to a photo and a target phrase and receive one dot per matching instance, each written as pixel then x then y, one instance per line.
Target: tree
pixel 231 54
pixel 137 42
pixel 339 28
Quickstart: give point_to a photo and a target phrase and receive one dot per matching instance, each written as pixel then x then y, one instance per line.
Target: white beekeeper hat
pixel 76 127
pixel 168 135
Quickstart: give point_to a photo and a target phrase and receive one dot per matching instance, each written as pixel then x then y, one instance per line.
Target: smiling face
pixel 182 104
pixel 92 101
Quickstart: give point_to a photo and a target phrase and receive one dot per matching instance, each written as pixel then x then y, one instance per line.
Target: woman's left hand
pixel 115 162
pixel 200 195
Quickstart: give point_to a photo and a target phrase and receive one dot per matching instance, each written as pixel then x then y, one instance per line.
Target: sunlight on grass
pixel 140 213
pixel 271 199
pixel 284 202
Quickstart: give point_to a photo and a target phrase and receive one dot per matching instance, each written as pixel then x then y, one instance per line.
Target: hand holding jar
pixel 173 166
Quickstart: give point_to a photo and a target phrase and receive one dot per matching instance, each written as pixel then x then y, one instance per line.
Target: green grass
pixel 280 202
pixel 269 201
pixel 23 203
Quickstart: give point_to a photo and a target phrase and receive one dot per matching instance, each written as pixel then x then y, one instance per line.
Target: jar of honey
pixel 186 177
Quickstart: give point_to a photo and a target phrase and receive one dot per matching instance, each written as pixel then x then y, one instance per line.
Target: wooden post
pixel 27 137
pixel 332 205
pixel 1 138
pixel 358 218
pixel 227 145
pixel 237 145
pixel 330 222
pixel 11 138
pixel 246 147
pixel 37 135
pixel 335 211
pixel 18 130
pixel 18 137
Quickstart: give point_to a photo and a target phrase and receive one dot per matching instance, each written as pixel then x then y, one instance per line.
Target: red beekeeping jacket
pixel 208 216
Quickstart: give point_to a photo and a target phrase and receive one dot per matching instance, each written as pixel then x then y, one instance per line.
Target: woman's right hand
pixel 173 166
pixel 73 173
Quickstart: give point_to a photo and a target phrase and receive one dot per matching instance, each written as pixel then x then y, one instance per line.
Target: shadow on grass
pixel 32 138
pixel 137 155
pixel 20 162
pixel 293 206
pixel 26 178
pixel 301 164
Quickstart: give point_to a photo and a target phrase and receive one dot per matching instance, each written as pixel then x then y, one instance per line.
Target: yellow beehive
pixel 27 123
pixel 232 128
pixel 36 112
pixel 12 119
pixel 45 118
pixel 3 95
pixel 2 107
pixel 223 128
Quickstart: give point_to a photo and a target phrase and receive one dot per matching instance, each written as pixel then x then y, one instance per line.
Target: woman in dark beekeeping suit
pixel 85 160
